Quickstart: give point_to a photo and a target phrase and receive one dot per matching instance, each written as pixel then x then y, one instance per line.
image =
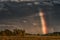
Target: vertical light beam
pixel 43 22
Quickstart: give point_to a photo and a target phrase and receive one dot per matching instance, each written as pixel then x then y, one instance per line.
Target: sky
pixel 30 0
pixel 28 19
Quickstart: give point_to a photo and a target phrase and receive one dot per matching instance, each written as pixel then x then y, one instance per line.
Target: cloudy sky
pixel 28 19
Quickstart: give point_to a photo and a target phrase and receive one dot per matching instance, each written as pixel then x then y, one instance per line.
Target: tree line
pixel 15 32
pixel 18 32
pixel 52 34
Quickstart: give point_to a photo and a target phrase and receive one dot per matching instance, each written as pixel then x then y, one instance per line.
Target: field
pixel 30 38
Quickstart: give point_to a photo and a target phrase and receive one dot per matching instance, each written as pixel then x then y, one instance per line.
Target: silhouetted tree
pixel 8 32
pixel 18 32
pixel 2 33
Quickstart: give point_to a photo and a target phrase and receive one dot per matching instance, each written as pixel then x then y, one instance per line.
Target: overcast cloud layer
pixel 28 19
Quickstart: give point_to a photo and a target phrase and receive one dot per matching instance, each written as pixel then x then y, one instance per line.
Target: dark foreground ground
pixel 30 38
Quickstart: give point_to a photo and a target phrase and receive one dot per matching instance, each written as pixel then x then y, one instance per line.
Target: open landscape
pixel 30 38
pixel 29 20
pixel 21 35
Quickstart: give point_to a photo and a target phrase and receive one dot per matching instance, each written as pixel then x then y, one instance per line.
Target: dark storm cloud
pixel 27 17
pixel 54 18
pixel 14 15
pixel 10 10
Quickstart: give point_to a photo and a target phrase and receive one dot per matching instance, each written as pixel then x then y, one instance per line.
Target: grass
pixel 30 38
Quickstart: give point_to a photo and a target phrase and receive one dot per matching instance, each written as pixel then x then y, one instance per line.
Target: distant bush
pixel 52 34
